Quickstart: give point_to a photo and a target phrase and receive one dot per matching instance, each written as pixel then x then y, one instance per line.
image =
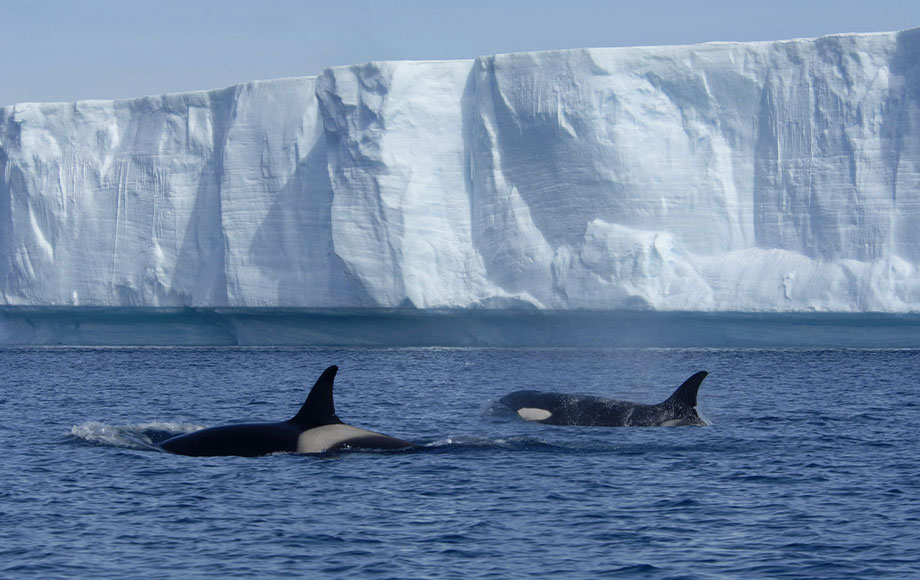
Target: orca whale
pixel 314 429
pixel 561 409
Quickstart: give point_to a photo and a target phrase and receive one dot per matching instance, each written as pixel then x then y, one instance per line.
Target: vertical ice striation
pixel 114 203
pixel 401 211
pixel 777 176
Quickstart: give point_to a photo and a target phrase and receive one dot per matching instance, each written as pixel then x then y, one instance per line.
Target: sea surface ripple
pixel 808 468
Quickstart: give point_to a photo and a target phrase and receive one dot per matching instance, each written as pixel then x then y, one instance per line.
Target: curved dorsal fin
pixel 685 395
pixel 319 408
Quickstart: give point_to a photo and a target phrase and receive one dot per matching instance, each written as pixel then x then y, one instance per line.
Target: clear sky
pixel 64 50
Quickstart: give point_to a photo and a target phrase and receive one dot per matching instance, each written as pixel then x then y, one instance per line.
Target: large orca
pixel 314 429
pixel 561 409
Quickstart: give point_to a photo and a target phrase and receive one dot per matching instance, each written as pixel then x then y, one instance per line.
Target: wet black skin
pixel 254 439
pixel 591 411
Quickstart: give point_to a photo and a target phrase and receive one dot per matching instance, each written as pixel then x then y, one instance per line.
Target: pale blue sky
pixel 64 50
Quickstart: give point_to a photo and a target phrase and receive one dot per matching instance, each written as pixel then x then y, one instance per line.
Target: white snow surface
pixel 769 176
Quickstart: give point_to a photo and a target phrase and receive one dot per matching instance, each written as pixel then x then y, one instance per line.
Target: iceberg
pixel 722 177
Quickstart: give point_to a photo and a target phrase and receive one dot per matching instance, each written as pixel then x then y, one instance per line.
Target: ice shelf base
pixel 451 328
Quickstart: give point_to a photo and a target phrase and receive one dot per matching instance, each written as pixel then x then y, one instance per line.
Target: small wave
pixel 484 443
pixel 144 436
pixel 632 570
pixel 677 503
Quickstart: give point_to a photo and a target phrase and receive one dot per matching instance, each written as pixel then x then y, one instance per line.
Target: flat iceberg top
pixel 761 176
pixel 647 49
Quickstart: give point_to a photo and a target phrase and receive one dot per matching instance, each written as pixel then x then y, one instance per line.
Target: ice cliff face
pixel 763 176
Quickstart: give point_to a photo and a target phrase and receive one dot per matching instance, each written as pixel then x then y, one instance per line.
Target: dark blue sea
pixel 809 467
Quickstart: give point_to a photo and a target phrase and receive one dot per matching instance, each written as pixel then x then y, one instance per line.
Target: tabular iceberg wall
pixel 777 176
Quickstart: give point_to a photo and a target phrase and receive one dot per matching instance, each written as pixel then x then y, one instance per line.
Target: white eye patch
pixel 532 414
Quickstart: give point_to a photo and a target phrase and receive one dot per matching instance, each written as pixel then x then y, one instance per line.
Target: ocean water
pixel 809 467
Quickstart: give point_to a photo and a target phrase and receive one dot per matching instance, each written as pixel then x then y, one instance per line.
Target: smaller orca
pixel 314 429
pixel 561 409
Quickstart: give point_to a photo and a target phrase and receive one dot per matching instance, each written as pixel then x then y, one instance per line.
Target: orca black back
pixel 588 410
pixel 314 429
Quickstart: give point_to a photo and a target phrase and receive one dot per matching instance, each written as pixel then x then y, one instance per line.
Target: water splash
pixel 145 436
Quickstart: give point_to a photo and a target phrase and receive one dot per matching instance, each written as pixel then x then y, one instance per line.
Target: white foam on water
pixel 132 436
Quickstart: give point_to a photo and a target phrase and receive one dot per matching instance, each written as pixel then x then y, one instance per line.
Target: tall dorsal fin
pixel 685 395
pixel 319 409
